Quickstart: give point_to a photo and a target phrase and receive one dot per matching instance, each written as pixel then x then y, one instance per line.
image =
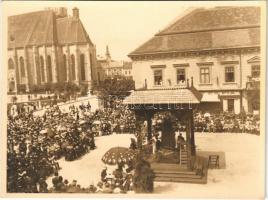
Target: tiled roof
pixel 42 27
pixel 31 28
pixel 206 29
pixel 168 96
pixel 70 30
pixel 216 18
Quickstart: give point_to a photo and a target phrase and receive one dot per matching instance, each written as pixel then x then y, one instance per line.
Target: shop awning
pixel 165 96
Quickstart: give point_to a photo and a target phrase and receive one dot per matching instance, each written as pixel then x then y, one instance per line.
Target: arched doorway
pixel 11 85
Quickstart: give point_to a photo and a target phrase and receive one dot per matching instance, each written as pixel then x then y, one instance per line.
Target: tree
pixel 117 87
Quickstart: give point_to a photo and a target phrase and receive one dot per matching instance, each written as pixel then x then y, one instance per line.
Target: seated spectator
pixel 104 174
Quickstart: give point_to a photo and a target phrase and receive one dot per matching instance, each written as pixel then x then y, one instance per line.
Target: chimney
pixel 76 12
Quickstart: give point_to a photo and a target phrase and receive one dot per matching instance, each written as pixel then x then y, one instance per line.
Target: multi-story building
pixel 114 68
pixel 219 47
pixel 49 46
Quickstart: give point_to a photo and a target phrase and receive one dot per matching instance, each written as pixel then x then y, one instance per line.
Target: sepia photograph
pixel 130 99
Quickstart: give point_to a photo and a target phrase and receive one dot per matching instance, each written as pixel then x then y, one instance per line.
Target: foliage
pixel 143 180
pixel 55 88
pixel 117 86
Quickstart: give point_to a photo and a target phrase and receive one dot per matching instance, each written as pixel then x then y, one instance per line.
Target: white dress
pixel 154 146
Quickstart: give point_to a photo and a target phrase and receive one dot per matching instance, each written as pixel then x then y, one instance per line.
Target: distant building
pixel 218 47
pixel 49 47
pixel 113 68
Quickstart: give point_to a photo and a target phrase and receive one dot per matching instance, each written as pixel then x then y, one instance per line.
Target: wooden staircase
pixel 176 173
pixel 183 158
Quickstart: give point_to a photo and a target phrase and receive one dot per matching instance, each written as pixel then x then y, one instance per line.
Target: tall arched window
pixel 49 68
pixel 10 64
pixel 22 68
pixel 64 68
pixel 91 63
pixel 42 68
pixel 82 65
pixel 73 67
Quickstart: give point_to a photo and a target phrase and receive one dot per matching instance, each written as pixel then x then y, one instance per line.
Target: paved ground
pixel 242 174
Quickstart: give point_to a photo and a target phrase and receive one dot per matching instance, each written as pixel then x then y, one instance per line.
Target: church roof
pixel 206 29
pixel 42 27
pixel 71 30
pixel 165 96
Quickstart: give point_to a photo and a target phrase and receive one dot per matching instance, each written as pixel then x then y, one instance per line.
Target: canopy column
pixel 191 122
pixel 140 117
pixel 149 115
pixel 190 140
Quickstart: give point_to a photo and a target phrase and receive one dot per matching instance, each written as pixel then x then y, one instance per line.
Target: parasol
pixel 43 131
pixel 206 115
pixel 82 122
pixel 97 122
pixel 118 155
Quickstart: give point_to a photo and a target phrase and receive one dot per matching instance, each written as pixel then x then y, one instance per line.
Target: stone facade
pixel 221 68
pixel 66 59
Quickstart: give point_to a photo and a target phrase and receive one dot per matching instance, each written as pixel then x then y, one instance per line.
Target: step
pixel 166 166
pixel 191 176
pixel 181 180
pixel 174 172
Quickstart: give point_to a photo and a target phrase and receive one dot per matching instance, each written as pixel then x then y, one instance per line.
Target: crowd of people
pixel 108 120
pixel 36 142
pixel 215 122
pixel 227 122
pixel 119 180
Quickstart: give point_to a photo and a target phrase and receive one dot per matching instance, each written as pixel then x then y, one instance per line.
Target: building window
pixel 255 71
pixel 229 74
pixel 204 75
pixel 82 65
pixel 64 68
pixel 73 67
pixel 230 105
pixel 22 68
pixel 10 64
pixel 181 77
pixel 158 77
pixel 49 68
pixel 42 69
pixel 91 64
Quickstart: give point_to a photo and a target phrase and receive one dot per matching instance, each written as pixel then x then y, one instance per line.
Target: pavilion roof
pixel 164 96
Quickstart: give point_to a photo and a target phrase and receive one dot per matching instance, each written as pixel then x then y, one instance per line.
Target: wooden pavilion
pixel 178 101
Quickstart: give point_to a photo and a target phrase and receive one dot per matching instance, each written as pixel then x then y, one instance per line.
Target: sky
pixel 123 26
